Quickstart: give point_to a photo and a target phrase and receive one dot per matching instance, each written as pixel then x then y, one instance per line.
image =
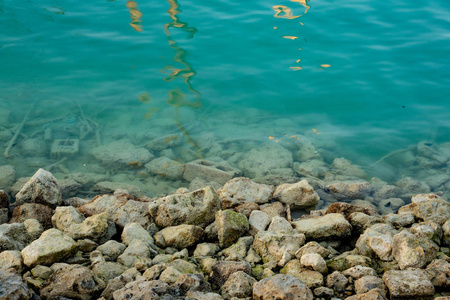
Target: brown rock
pixel 408 284
pixel 37 211
pixel 221 270
pixel 347 209
pixel 282 287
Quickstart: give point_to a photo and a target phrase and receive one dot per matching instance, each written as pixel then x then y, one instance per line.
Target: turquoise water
pixel 359 78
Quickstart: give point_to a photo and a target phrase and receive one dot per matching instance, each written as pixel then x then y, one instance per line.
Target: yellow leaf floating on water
pixel 315 131
pixel 271 137
pixel 296 68
pixel 325 66
pixel 151 112
pixel 145 98
pixel 290 37
pixel 298 60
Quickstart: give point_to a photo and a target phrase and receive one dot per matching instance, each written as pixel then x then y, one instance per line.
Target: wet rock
pixel 438 272
pixel 328 226
pixel 166 168
pixel 108 187
pixel 87 179
pixel 13 237
pixel 409 187
pixel 243 190
pixel 195 208
pixel 297 195
pixel 208 170
pixel 411 251
pixel 344 168
pixel 111 249
pixel 7 177
pixel 258 162
pixel 13 286
pixel 281 287
pixel 11 259
pixel 230 226
pixel 258 221
pixel 41 188
pixel 271 246
pixel 408 284
pixel 430 207
pixel 239 285
pixel 75 282
pixel 221 271
pixel 377 241
pixel 40 212
pixel 121 154
pixel 367 283
pixel 349 190
pixel 39 252
pixel 180 236
pixel 386 191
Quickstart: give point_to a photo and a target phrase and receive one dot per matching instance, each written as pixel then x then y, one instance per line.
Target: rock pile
pixel 237 243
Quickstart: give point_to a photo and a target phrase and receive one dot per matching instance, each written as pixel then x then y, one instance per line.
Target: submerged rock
pixel 7 177
pixel 166 168
pixel 243 190
pixel 349 190
pixel 208 170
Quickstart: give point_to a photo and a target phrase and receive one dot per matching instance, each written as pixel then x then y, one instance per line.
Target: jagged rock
pixel 408 284
pixel 41 272
pixel 7 177
pixel 34 228
pixel 195 208
pixel 297 195
pixel 40 253
pixel 75 282
pixel 281 287
pixel 121 154
pixel 135 231
pixel 4 215
pixel 258 221
pixel 271 246
pixel 221 271
pixel 377 241
pixel 203 296
pixel 260 162
pixel 135 250
pixel 280 225
pixel 115 284
pixel 208 170
pixel 314 261
pixel 41 188
pixel 323 292
pixel 411 251
pixel 40 212
pixel 13 237
pixel 347 209
pixel 166 168
pixel 238 250
pixel 446 236
pixel 401 219
pixel 429 230
pixel 312 247
pixel 374 294
pixel 239 285
pixel 11 259
pixel 310 278
pixel 112 249
pixel 246 208
pixel 349 190
pixel 108 187
pixel 438 272
pixel 347 260
pixel 359 271
pixel 13 286
pixel 206 249
pixel 97 228
pixel 65 216
pixel 430 207
pixel 337 281
pixel 367 283
pixel 230 226
pixel 324 227
pixel 180 236
pixel 107 270
pixel 243 190
pixel 274 209
pixel 192 282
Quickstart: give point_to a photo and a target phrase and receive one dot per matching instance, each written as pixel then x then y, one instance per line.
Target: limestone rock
pixel 408 284
pixel 40 252
pixel 221 270
pixel 121 154
pixel 377 241
pixel 280 225
pixel 239 285
pixel 374 294
pixel 312 247
pixel 65 216
pixel 297 195
pixel 238 251
pixel 135 231
pixel 359 271
pixel 258 221
pixel 349 190
pixel 13 286
pixel 108 187
pixel 135 250
pixel 446 236
pixel 243 190
pixel 115 284
pixel 13 237
pixel 41 188
pixel 246 208
pixel 315 262
pixel 75 282
pixel 192 282
pixel 206 249
pixel 230 226
pixel 180 236
pixel 34 228
pixel 347 209
pixel 195 208
pixel 345 168
pixel 367 283
pixel 271 246
pixel 112 249
pixel 438 272
pixel 337 281
pixel 324 227
pixel 430 207
pixel 283 287
pixel 11 259
pixel 166 168
pixel 203 295
pixel 107 270
pixel 40 212
pixel 310 278
pixel 97 228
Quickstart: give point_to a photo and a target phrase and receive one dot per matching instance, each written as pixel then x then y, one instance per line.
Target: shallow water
pixel 360 79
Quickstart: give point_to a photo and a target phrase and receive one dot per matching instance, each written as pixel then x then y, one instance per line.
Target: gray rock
pixel 349 190
pixel 258 221
pixel 40 253
pixel 109 187
pixel 107 270
pixel 4 215
pixel 408 284
pixel 13 237
pixel 243 190
pixel 246 208
pixel 344 168
pixel 310 278
pixel 195 208
pixel 135 231
pixel 11 259
pixel 438 272
pixel 411 251
pixel 112 249
pixel 230 226
pixel 400 219
pixel 69 187
pixel 141 290
pixel 409 187
pixel 166 168
pixel 238 251
pixel 121 154
pixel 135 250
pixel 329 226
pixel 377 241
pixel 74 282
pixel 280 225
pixel 34 228
pixel 281 287
pixel 180 236
pixel 337 281
pixel 446 236
pixel 7 177
pixel 297 195
pixel 221 270
pixel 40 212
pixel 203 296
pixel 206 249
pixel 312 247
pixel 13 286
pixel 208 170
pixel 271 246
pixel 367 283
pixel 115 284
pixel 41 188
pixel 41 272
pixel 260 162
pixel 430 207
pixel 239 285
pixel 315 168
pixel 359 271
pixel 314 261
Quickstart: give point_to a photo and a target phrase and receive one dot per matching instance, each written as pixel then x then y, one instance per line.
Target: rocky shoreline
pixel 239 240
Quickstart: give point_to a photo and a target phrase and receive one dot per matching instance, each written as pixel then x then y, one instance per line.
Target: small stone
pixel 42 272
pixel 367 283
pixel 315 262
pixel 280 225
pixel 239 285
pixel 325 227
pixel 281 287
pixel 13 237
pixel 112 249
pixel 11 259
pixel 206 249
pixel 272 246
pixel 136 249
pixel 181 236
pixel 337 281
pixel 135 231
pixel 297 195
pixel 221 271
pixel 230 226
pixel 408 284
pixel 359 271
pixel 246 208
pixel 258 221
pixel 313 247
pixel 242 190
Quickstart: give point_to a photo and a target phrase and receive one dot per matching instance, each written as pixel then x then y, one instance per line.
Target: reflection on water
pixel 135 15
pixel 283 12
